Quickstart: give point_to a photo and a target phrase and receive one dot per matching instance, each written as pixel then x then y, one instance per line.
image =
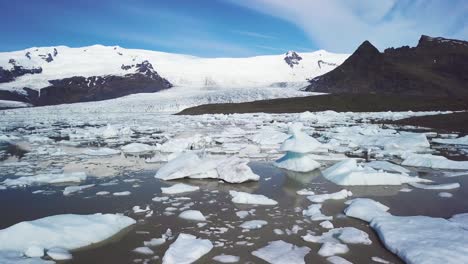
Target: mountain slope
pixel 53 75
pixel 436 67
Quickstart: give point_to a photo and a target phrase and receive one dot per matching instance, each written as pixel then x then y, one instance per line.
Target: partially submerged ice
pixel 434 162
pixel 279 252
pixel 299 148
pixel 349 173
pixel 67 232
pixel 186 249
pixel 46 179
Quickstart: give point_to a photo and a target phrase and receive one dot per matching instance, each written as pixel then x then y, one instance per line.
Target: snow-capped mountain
pixel 53 75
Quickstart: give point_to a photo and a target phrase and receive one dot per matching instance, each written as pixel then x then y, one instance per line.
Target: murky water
pixel 213 201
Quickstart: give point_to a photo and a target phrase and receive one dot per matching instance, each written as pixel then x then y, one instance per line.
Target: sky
pixel 229 28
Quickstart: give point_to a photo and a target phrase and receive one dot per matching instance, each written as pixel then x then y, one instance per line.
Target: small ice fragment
pixel 193 215
pixel 226 258
pixel 332 248
pixel 144 251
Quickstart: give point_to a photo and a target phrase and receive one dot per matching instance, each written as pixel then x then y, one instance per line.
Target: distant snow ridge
pixel 50 63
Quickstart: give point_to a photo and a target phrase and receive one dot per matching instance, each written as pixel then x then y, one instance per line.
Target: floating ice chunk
pixel 193 215
pixel 320 198
pixel 249 150
pixel 452 141
pixel 60 254
pixel 72 189
pixel 144 251
pixel 445 186
pixel 422 239
pixel 326 224
pixel 179 188
pixel 235 170
pixel 380 260
pixel 124 193
pixel 347 235
pixel 332 248
pixel 387 166
pixel 269 136
pixel 348 173
pixel 365 209
pixel 253 224
pixel 138 210
pixel 186 142
pixel 300 142
pixel 315 213
pixel 445 195
pixel 279 252
pixel 101 152
pixel 460 219
pixel 34 252
pixel 186 249
pixel 154 242
pixel 67 231
pixel 248 198
pixel 110 132
pixel 434 162
pixel 134 148
pixel 102 193
pixel 46 179
pixel 305 192
pixel 232 169
pixel 338 260
pixel 226 258
pixel 242 214
pixel 300 162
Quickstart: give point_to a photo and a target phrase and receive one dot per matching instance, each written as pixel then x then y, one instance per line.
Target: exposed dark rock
pixel 10 75
pixel 321 62
pixel 55 52
pixel 126 67
pixel 436 67
pixel 292 58
pixel 47 57
pixel 28 55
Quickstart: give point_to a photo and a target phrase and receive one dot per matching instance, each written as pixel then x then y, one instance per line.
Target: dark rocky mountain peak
pixel 292 58
pixel 436 66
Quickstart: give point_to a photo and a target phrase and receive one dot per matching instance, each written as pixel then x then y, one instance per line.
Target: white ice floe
pixel 434 162
pixel 190 165
pixel 269 136
pixel 46 179
pixel 186 249
pixel 67 232
pixel 110 132
pixel 154 242
pixel 460 219
pixel 326 224
pixel 226 258
pixel 179 188
pixel 101 152
pixel 452 141
pixel 347 235
pixel 124 193
pixel 248 198
pixel 185 142
pixel 338 260
pixel 299 162
pixel 365 209
pixel 135 148
pixel 349 173
pixel 299 148
pixel 253 224
pixel 143 251
pixel 423 239
pixel 139 210
pixel 445 195
pixel 380 260
pixel 320 198
pixel 332 248
pixel 315 213
pixel 387 166
pixel 193 215
pixel 305 192
pixel 280 252
pixel 444 186
pixel 72 189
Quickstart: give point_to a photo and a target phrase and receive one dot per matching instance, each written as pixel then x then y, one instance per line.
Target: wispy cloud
pixel 253 34
pixel 341 25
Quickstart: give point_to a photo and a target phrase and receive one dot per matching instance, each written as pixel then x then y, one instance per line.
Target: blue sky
pixel 233 28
